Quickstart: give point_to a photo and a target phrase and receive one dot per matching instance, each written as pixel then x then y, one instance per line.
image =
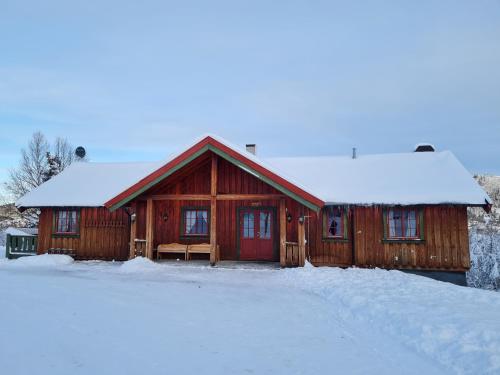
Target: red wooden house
pixel 402 211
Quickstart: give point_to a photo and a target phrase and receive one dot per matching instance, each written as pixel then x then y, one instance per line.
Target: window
pixel 265 225
pixel 334 222
pixel 248 225
pixel 402 223
pixel 66 222
pixel 195 222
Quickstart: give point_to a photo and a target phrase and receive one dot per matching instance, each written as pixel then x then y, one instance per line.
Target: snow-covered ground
pixel 62 317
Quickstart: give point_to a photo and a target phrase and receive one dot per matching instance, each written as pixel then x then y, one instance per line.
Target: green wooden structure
pixel 19 246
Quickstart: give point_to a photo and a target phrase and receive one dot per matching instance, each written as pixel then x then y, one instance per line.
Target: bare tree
pixel 64 152
pixel 30 172
pixel 39 162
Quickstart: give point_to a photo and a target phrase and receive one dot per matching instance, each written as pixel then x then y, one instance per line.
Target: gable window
pixel 66 222
pixel 195 222
pixel 403 223
pixel 334 222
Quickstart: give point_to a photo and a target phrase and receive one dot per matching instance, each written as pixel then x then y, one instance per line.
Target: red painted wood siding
pixel 445 246
pixel 103 234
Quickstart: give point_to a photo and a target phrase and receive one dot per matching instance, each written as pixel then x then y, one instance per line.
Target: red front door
pixel 256 234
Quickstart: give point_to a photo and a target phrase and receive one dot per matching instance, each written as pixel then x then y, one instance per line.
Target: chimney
pixel 251 148
pixel 424 147
pixel 354 152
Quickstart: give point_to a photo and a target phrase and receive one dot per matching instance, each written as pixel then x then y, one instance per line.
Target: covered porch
pixel 253 224
pixel 217 201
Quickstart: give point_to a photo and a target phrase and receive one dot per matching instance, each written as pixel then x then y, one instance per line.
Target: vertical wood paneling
pixel 103 235
pixel 445 245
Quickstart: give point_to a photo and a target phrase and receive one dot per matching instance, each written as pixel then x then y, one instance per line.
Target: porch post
pixel 302 241
pixel 282 233
pixel 149 228
pixel 213 211
pixel 133 231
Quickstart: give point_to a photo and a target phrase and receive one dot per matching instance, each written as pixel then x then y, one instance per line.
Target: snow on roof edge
pixel 266 163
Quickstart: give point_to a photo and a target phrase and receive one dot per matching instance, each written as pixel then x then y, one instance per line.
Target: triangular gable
pixel 209 143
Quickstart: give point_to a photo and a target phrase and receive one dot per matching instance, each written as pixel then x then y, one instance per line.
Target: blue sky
pixel 136 81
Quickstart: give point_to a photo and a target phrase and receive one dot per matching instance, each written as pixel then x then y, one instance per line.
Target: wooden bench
pixel 70 252
pixel 172 248
pixel 202 248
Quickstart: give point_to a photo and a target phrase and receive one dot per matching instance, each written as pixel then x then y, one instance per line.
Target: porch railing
pixel 292 254
pixel 140 247
pixel 18 246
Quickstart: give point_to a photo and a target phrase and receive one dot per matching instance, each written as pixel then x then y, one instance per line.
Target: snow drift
pixel 139 264
pixel 44 260
pixel 457 326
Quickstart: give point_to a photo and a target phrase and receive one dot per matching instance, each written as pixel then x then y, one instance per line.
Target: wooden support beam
pixel 213 211
pixel 213 177
pixel 282 233
pixel 149 228
pixel 302 242
pixel 249 197
pixel 220 197
pixel 213 231
pixel 133 231
pixel 181 197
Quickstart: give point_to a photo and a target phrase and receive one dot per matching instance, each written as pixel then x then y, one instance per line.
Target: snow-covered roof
pixel 407 178
pixel 86 184
pixel 21 231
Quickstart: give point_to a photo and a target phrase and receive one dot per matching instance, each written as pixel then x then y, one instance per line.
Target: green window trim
pixel 345 225
pixel 420 224
pixel 182 229
pixel 56 234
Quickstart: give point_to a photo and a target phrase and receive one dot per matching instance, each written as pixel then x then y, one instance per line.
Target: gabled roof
pixel 392 179
pixel 228 151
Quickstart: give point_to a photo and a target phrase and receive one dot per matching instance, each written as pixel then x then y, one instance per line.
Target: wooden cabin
pixel 216 201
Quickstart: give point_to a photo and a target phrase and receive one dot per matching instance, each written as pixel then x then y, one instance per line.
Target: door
pixel 256 234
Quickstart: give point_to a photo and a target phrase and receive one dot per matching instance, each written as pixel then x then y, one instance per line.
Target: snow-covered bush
pixel 485 259
pixel 484 238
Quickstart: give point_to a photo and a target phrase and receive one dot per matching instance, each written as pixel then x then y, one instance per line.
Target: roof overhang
pixel 228 153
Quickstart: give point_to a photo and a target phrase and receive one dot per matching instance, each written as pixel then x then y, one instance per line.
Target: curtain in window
pixel 395 223
pixel 265 225
pixel 334 222
pixel 196 222
pixel 66 221
pixel 410 220
pixel 402 223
